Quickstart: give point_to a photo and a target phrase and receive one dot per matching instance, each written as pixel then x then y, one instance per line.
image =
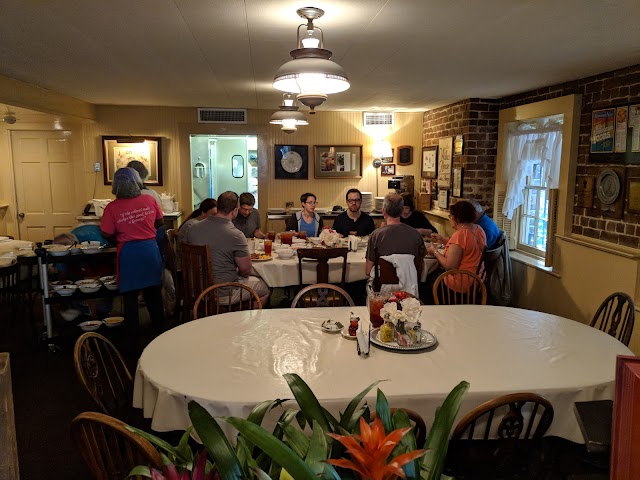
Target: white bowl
pixel 90 287
pixel 65 290
pixel 75 250
pixel 314 240
pixel 91 243
pixel 111 285
pixel 58 252
pixel 90 250
pixel 87 281
pixel 298 240
pixel 107 278
pixel 113 321
pixel 285 253
pixel 70 314
pixel 90 325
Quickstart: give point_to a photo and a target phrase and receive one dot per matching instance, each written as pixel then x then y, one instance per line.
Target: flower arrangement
pixel 401 314
pixel 329 237
pixel 309 443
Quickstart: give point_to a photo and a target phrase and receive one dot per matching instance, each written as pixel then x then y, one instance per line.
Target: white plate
pixel 90 325
pixel 262 259
pixel 345 334
pixel 330 326
pixel 114 323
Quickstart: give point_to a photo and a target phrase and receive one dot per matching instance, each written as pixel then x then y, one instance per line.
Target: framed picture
pixel 633 195
pixel 443 198
pixel 603 123
pixel 457 145
pixel 338 161
pixel 388 169
pixel 445 151
pixel 388 159
pixel 429 162
pixel 456 190
pixel 405 155
pixel 292 162
pixel 118 151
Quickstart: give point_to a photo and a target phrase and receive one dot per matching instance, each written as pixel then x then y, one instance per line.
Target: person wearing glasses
pixel 353 219
pixel 307 220
pixel 248 219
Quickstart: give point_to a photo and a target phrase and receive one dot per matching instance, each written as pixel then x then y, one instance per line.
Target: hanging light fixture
pixel 311 74
pixel 288 115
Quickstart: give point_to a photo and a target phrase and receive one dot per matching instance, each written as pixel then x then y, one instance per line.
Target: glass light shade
pixel 311 75
pixel 282 116
pixel 382 149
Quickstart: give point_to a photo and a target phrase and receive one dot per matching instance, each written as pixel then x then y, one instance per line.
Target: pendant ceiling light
pixel 288 115
pixel 311 74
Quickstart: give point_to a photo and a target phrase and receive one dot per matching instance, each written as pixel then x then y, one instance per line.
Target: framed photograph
pixel 445 151
pixel 457 145
pixel 388 169
pixel 118 151
pixel 388 159
pixel 603 124
pixel 405 155
pixel 456 190
pixel 633 195
pixel 429 162
pixel 443 198
pixel 584 191
pixel 292 162
pixel 338 161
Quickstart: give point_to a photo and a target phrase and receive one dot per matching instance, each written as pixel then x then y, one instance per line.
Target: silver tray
pixel 429 342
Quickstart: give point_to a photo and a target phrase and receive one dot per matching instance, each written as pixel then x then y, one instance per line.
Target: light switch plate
pixel 96 167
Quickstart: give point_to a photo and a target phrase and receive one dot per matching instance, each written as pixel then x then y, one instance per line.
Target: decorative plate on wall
pixel 608 187
pixel 292 162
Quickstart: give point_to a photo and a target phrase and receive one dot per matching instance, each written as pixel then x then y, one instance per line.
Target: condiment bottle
pixel 353 325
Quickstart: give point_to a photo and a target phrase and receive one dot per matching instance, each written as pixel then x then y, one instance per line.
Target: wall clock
pixel 291 162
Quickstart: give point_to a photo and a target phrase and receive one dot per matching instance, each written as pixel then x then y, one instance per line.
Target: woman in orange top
pixel 465 247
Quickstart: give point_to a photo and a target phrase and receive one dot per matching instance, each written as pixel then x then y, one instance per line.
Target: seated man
pixel 230 258
pixel 353 219
pixel 248 220
pixel 490 228
pixel 394 237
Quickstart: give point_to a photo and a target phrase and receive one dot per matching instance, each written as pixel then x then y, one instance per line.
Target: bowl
pixel 108 278
pixel 285 253
pixel 58 251
pixel 65 290
pixel 90 250
pixel 314 240
pixel 111 285
pixel 75 250
pixel 113 321
pixel 70 314
pixel 90 325
pixel 90 287
pixel 91 243
pixel 59 283
pixel 87 281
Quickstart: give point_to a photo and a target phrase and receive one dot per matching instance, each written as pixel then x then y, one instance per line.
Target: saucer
pixel 345 334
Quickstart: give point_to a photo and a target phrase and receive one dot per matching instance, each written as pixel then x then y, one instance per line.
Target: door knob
pixel 21 215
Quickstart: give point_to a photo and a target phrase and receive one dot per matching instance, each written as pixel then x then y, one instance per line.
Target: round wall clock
pixel 608 187
pixel 291 162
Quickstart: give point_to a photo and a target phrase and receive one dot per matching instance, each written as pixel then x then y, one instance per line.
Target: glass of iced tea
pixel 271 235
pixel 286 238
pixel 268 244
pixel 302 235
pixel 376 302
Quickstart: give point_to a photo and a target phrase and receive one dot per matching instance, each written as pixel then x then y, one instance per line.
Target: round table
pixel 231 362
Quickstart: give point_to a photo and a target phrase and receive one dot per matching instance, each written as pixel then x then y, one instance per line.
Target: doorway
pixel 223 162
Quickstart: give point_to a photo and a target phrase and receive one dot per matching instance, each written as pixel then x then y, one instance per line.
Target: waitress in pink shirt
pixel 131 219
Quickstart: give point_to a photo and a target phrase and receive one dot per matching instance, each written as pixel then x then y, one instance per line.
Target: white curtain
pixel 527 144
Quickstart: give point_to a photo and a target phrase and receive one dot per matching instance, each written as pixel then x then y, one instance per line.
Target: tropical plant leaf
pixel 259 411
pixel 346 417
pixel 297 441
pixel 140 470
pixel 438 439
pixel 383 411
pixel 215 442
pixel 407 443
pixel 174 454
pixel 183 447
pixel 317 451
pixel 307 401
pixel 285 419
pixel 260 474
pixel 277 450
pixel 332 420
pixel 355 418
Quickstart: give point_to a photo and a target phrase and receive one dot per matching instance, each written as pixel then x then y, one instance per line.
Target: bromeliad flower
pixel 370 450
pixel 170 472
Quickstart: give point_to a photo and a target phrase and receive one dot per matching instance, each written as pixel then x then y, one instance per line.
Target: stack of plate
pixel 378 203
pixel 367 202
pixel 275 211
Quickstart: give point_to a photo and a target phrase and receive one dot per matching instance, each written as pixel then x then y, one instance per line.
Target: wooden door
pixel 44 183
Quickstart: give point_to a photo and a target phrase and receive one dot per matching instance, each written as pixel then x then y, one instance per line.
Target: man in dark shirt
pixel 353 219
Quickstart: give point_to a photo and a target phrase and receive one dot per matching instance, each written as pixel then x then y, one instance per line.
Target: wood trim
pixel 625 438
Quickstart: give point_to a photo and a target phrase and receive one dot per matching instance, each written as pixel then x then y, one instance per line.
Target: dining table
pixel 278 272
pixel 231 362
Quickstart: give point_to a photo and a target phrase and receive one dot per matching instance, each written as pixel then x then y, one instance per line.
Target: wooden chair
pixel 171 263
pixel 215 299
pixel 474 294
pixel 9 293
pixel 104 374
pixel 502 438
pixel 109 449
pixel 322 256
pixel 322 295
pixel 384 273
pixel 616 316
pixel 419 427
pixel 197 274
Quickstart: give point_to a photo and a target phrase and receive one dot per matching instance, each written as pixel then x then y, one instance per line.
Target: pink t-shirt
pixel 131 218
pixel 473 242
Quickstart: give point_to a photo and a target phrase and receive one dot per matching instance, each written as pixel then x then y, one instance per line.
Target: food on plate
pixel 260 256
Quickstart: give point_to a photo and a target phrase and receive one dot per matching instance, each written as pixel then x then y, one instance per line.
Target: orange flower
pixel 370 450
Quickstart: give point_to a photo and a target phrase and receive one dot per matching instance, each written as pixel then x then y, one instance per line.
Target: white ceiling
pixel 399 54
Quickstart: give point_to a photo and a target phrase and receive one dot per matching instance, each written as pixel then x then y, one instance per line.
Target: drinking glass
pixel 268 244
pixel 286 238
pixel 271 235
pixel 376 302
pixel 302 235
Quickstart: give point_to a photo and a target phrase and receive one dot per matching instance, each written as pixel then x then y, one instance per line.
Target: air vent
pixel 222 115
pixel 372 119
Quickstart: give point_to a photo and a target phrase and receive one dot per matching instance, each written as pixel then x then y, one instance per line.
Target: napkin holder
pixel 353 243
pixel 363 341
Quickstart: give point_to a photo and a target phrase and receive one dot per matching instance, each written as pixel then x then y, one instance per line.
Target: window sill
pixel 532 261
pixel 607 247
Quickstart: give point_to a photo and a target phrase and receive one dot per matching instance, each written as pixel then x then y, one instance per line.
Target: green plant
pixel 289 452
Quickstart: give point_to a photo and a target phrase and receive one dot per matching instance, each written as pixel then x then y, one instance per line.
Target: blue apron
pixel 139 265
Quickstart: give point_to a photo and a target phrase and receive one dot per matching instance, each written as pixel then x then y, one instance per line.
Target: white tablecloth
pixel 284 273
pixel 231 362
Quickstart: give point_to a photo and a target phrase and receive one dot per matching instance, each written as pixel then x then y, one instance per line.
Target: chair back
pixel 109 449
pixel 384 273
pixel 459 287
pixel 171 263
pixel 322 256
pixel 197 273
pixel 103 373
pixel 216 299
pixel 322 295
pixel 9 277
pixel 616 316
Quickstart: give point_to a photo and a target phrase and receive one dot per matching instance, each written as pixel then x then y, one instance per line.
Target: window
pixel 534 214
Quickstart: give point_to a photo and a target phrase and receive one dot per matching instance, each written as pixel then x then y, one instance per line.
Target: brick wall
pixel 477 121
pixel 599 91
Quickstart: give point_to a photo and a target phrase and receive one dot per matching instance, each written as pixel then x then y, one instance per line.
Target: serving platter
pixel 261 259
pixel 429 342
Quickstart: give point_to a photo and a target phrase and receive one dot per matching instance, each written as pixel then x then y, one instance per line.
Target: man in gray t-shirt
pixel 248 219
pixel 230 258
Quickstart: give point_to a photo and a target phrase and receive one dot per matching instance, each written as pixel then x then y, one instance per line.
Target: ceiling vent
pixel 374 119
pixel 222 115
